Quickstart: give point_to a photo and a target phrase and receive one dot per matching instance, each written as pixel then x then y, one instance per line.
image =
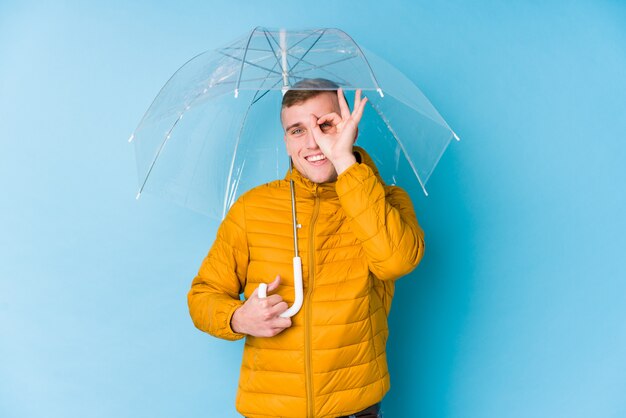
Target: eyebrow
pixel 293 125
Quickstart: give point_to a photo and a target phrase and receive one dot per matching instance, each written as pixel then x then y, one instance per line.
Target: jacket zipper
pixel 307 334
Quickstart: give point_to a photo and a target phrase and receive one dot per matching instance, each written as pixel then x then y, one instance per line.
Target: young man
pixel 356 237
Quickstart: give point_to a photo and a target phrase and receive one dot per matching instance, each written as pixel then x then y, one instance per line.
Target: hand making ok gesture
pixel 335 134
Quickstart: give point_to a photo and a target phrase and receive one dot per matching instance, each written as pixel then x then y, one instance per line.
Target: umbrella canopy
pixel 214 130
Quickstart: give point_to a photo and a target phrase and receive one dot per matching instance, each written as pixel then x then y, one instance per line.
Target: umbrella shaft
pixel 293 217
pixel 283 61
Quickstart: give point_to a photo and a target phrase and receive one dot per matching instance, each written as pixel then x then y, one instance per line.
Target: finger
pixel 275 331
pixel 274 285
pixel 282 323
pixel 358 111
pixel 332 117
pixel 315 128
pixel 279 308
pixel 357 98
pixel 270 332
pixel 343 105
pixel 273 300
pixel 277 326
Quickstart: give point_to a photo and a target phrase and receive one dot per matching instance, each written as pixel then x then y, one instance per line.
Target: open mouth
pixel 315 158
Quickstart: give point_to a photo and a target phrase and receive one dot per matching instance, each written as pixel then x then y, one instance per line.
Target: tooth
pixel 315 158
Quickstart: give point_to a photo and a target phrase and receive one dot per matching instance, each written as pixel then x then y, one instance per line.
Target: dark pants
pixel 371 412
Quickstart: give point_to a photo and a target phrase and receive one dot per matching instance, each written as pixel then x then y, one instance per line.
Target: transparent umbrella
pixel 214 131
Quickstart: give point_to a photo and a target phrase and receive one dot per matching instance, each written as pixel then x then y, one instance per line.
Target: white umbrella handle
pixel 297 284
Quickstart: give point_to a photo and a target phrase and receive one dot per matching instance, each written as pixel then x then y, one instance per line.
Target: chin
pixel 329 178
pixel 318 176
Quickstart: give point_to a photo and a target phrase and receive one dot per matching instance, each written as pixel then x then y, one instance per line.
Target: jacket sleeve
pixel 383 219
pixel 214 294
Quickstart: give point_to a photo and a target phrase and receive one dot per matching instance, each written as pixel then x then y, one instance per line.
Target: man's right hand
pixel 260 317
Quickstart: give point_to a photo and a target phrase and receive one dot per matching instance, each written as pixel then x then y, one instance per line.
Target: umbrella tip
pixel 236 93
pixel 138 195
pixel 131 138
pixel 456 136
pixel 380 91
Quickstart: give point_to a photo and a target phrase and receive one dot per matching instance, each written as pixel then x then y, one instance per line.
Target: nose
pixel 310 139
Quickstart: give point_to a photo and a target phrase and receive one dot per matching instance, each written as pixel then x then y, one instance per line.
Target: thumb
pixel 274 285
pixel 315 128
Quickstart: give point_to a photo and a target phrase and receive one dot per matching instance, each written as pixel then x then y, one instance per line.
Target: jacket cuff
pixel 355 175
pixel 227 317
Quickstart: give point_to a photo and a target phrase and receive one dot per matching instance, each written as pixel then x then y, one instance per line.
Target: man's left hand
pixel 336 134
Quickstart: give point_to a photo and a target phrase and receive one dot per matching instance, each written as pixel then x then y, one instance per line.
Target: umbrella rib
pixel 245 53
pixel 301 59
pixel 229 195
pixel 337 78
pixel 395 137
pixel 371 71
pixel 242 48
pixel 255 99
pixel 315 67
pixel 249 63
pixel 321 67
pixel 156 157
pixel 273 50
pixel 307 37
pixel 273 38
pixel 297 43
pixel 163 89
pixel 246 80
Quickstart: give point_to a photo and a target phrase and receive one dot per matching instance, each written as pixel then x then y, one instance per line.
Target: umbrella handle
pixel 297 284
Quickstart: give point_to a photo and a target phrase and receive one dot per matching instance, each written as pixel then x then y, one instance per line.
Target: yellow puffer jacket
pixel 356 237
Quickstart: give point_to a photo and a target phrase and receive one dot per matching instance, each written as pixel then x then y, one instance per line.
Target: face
pixel 301 147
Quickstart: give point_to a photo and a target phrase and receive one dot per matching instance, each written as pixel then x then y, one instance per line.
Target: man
pixel 356 236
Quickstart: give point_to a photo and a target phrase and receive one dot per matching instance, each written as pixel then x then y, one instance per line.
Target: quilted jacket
pixel 356 237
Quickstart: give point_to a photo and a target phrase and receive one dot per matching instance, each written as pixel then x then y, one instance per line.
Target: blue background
pixel 517 309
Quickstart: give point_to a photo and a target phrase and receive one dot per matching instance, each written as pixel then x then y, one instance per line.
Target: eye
pixel 325 126
pixel 296 131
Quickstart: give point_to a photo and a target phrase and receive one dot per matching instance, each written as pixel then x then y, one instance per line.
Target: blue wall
pixel 517 309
